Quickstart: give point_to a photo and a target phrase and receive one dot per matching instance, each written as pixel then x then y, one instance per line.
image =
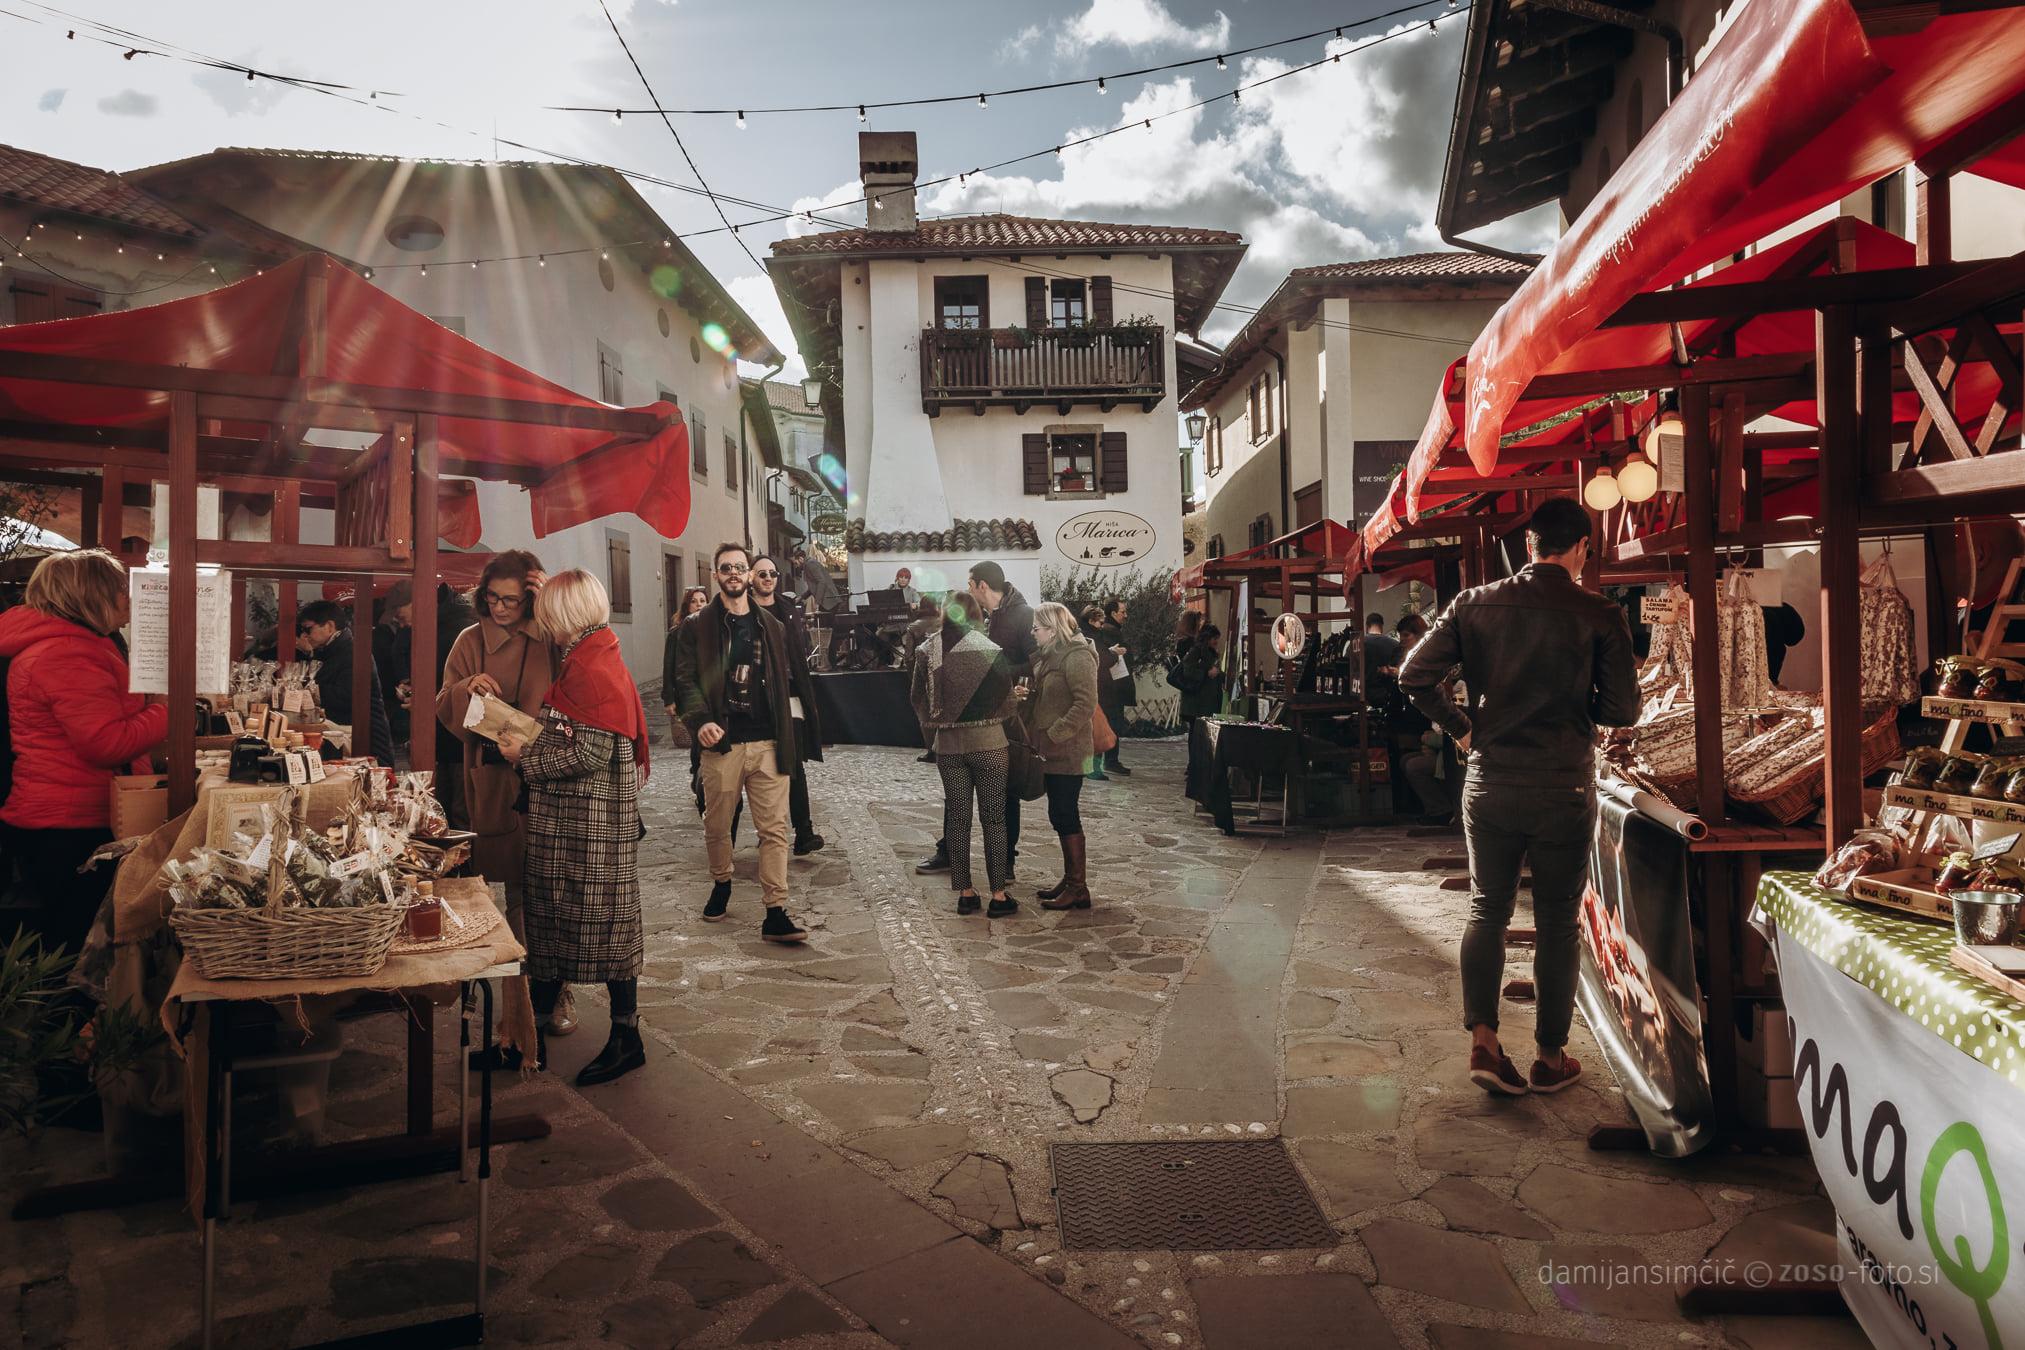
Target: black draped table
pixel 866 707
pixel 1218 745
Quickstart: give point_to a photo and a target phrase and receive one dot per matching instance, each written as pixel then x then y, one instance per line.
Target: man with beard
pixel 768 595
pixel 1009 624
pixel 735 685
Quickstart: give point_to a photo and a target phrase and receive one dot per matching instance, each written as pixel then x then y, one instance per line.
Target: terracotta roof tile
pixel 991 232
pixel 1417 267
pixel 784 397
pixel 28 177
pixel 964 536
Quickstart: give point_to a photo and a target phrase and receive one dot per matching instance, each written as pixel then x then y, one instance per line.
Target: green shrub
pixel 1151 613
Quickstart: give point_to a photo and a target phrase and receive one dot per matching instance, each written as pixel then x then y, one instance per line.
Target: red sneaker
pixel 1495 1072
pixel 1553 1080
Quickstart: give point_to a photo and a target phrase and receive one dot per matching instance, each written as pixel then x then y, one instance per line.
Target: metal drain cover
pixel 1220 1195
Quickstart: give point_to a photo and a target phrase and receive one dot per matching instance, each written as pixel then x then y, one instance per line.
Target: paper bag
pixel 493 717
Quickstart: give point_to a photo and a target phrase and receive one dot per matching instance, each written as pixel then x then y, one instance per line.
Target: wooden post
pixel 362 661
pixel 88 514
pixel 286 528
pixel 112 507
pixel 1844 409
pixel 422 679
pixel 182 602
pixel 238 615
pixel 1934 219
pixel 1698 502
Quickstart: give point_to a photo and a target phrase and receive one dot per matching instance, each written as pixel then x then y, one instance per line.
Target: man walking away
pixel 1010 625
pixel 733 684
pixel 1545 662
pixel 768 595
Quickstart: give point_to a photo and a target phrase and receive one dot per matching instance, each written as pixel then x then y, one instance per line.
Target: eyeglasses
pixel 766 576
pixel 732 569
pixel 505 601
pixel 302 630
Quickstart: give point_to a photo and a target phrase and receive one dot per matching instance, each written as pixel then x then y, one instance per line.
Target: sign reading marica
pixel 1104 539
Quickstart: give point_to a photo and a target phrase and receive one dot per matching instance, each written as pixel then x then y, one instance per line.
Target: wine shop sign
pixel 1104 539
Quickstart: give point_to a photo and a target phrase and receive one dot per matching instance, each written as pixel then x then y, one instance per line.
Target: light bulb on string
pixel 740 123
pixel 474 264
pixel 981 101
pixel 425 269
pixel 861 112
pixel 878 204
pixel 541 260
pixel 1601 492
pixel 1234 95
pixel 1638 479
pixel 368 274
pixel 1220 65
pixel 1102 88
pixel 249 75
pixel 604 255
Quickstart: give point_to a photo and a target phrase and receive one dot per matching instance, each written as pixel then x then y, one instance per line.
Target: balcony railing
pixel 1059 366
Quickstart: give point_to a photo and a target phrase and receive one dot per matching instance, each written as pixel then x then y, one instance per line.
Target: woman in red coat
pixel 73 726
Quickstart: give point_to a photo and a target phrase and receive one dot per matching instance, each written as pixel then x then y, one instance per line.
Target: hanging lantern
pixel 1638 480
pixel 1666 432
pixel 1601 492
pixel 812 391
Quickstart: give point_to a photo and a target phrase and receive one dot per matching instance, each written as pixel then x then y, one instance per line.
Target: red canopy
pixel 1795 109
pixel 267 334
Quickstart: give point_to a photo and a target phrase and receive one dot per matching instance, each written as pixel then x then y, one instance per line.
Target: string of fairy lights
pixel 112 36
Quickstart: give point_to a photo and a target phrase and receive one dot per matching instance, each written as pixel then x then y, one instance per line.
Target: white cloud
pixel 1139 23
pixel 756 296
pixel 51 100
pixel 129 103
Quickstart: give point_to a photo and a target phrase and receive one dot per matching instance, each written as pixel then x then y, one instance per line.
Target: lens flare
pixel 715 338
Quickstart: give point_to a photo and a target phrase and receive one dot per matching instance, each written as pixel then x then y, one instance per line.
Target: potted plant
pixel 1138 331
pixel 1012 339
pixel 1074 335
pixel 1069 481
pixel 137 1088
pixel 37 1032
pixel 961 339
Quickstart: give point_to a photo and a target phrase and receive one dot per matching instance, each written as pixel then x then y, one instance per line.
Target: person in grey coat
pixel 1058 717
pixel 961 687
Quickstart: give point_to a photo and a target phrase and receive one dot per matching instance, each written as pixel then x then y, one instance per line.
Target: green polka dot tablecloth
pixel 1904 962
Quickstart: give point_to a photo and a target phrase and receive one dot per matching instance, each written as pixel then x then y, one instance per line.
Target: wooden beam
pixel 285 527
pixel 259 557
pixel 1990 283
pixel 182 755
pixel 1992 131
pixel 2003 472
pixel 1756 534
pixel 362 649
pixel 422 641
pixel 1698 460
pixel 1730 466
pixel 1933 219
pixel 1935 414
pixel 1504 483
pixel 1838 399
pixel 1750 299
pixel 1709 370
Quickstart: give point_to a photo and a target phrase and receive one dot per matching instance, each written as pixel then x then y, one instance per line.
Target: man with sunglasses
pixel 768 595
pixel 735 683
pixel 319 627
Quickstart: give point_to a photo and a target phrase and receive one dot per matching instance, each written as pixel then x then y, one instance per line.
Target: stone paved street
pixel 847 1144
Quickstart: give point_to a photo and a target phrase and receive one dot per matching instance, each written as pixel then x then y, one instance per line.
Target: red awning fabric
pixel 1795 109
pixel 260 327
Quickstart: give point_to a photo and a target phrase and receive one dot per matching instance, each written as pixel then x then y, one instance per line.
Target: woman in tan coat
pixel 504 655
pixel 1058 719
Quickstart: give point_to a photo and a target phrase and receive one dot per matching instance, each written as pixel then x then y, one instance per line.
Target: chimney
pixel 888 164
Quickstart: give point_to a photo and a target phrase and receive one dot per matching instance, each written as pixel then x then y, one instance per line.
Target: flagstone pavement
pixel 847 1144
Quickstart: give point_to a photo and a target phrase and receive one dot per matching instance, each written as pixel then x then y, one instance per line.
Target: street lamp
pixel 812 391
pixel 1197 424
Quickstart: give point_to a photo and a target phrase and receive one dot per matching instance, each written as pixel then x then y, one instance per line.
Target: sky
pixel 1340 162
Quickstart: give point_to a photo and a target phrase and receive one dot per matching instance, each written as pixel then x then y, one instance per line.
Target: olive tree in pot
pixel 1151 613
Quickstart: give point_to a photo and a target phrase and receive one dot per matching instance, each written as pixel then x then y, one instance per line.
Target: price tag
pixel 313 762
pixel 239 869
pixel 295 700
pixel 234 723
pixel 387 887
pixel 298 774
pixel 1662 608
pixel 277 725
pixel 348 867
pixel 1997 848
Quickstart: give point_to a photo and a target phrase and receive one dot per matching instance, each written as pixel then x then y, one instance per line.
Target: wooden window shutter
pixel 1100 301
pixel 1034 462
pixel 1111 461
pixel 1037 302
pixel 984 302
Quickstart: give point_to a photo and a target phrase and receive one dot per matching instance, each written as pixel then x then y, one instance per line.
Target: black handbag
pixel 1026 775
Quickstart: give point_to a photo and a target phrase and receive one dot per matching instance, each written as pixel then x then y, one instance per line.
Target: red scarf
pixel 596 689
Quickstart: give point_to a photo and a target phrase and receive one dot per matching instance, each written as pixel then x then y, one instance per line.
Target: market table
pixel 1218 745
pixel 209 1007
pixel 866 707
pixel 1907 1071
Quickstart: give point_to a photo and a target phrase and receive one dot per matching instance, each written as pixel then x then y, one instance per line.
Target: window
pixel 667 395
pixel 1261 531
pixel 1068 304
pixel 611 376
pixel 1215 549
pixel 703 573
pixel 671 585
pixel 1259 407
pixel 619 572
pixel 1213 452
pixel 39 299
pixel 699 449
pixel 1308 505
pixel 1072 466
pixel 731 466
pixel 416 234
pixel 962 302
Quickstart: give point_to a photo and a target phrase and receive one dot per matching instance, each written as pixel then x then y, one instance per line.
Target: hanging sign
pixel 148 631
pixel 1661 608
pixel 1290 635
pixel 1104 539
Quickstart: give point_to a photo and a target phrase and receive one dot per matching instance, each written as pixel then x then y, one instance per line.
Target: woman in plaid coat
pixel 582 888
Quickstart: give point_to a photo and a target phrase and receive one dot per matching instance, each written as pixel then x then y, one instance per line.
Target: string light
pixel 249 74
pixel 604 255
pixel 132 54
pixel 980 101
pixel 541 260
pixel 617 117
pixel 425 269
pixel 474 264
pixel 740 124
pixel 1220 65
pixel 861 112
pixel 1100 85
pixel 368 272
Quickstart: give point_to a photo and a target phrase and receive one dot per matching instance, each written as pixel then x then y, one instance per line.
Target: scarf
pixel 595 688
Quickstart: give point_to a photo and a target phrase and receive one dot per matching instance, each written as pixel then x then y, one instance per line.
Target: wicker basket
pixel 1791 800
pixel 282 944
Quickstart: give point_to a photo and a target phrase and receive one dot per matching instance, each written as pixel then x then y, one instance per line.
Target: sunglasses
pixel 766 576
pixel 732 569
pixel 509 601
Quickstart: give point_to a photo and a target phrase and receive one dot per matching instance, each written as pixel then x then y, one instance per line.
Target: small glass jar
pixel 1955 873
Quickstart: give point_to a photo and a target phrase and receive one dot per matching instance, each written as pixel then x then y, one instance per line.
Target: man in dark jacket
pixel 321 624
pixel 735 685
pixel 1009 623
pixel 768 595
pixel 1545 663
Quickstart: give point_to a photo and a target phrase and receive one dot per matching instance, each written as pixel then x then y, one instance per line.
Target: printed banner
pixel 1638 989
pixel 1922 1150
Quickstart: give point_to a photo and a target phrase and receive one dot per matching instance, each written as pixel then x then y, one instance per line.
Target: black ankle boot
pixel 622 1054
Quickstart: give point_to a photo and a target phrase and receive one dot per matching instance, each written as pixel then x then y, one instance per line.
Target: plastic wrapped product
pixel 1922 767
pixel 1959 773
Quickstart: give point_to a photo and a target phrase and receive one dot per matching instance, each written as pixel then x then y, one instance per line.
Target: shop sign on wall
pixel 1104 539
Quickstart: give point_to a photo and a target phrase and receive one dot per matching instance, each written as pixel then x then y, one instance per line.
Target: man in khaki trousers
pixel 734 688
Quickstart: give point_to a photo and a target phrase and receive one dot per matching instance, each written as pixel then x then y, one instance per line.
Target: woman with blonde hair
pixel 72 726
pixel 583 772
pixel 1058 719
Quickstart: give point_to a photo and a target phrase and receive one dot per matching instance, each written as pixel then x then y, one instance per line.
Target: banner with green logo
pixel 1920 1146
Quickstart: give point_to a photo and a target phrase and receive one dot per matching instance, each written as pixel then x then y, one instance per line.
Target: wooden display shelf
pixel 1971 710
pixel 1956 804
pixel 1909 892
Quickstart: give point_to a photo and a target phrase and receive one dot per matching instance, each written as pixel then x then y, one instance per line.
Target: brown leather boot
pixel 1075 891
pixel 1050 892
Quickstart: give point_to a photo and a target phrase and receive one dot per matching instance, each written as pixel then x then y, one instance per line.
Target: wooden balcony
pixel 1055 368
